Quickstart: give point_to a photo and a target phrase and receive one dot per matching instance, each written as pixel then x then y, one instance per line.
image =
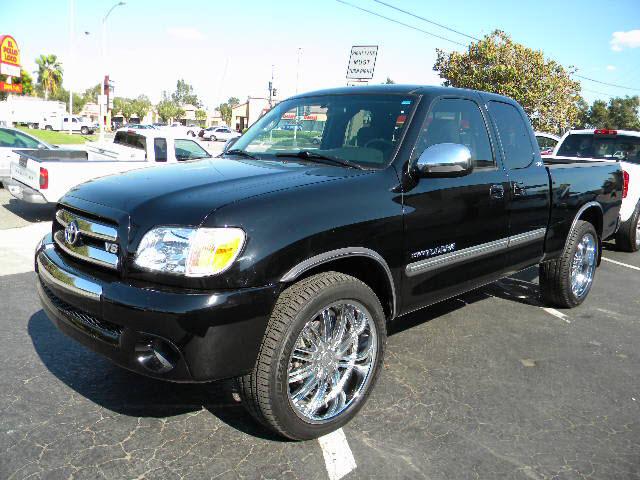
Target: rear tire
pixel 316 318
pixel 84 131
pixel 566 281
pixel 628 236
pixel 48 127
pixel 213 138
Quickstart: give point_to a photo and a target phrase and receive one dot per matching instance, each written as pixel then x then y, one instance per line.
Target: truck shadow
pixel 130 394
pixel 29 212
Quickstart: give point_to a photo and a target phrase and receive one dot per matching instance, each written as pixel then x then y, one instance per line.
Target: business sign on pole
pixel 10 87
pixel 9 56
pixel 362 62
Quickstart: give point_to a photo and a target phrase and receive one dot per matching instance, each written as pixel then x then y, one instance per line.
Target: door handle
pixel 518 189
pixel 496 192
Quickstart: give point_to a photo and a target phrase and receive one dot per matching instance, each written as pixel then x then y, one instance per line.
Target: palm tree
pixel 49 74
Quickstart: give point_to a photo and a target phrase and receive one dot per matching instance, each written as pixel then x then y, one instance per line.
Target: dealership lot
pixel 487 385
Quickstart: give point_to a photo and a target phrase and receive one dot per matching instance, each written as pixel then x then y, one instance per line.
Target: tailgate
pixel 26 170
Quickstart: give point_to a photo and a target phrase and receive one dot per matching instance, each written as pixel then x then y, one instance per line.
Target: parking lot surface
pixel 487 385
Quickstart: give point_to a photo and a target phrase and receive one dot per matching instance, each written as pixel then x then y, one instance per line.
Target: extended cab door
pixel 456 228
pixel 528 191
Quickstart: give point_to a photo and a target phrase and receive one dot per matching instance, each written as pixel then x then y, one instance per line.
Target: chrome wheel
pixel 332 361
pixel 583 265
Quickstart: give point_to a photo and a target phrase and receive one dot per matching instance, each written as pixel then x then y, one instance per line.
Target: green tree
pixel 598 115
pixel 141 106
pixel 49 74
pixel 62 95
pixel 233 102
pixel 123 106
pixel 25 80
pixel 226 109
pixel 497 64
pixel 201 115
pixel 184 94
pixel 91 94
pixel 168 109
pixel 623 113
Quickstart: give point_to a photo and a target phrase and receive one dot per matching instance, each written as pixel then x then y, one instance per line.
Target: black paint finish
pixel 292 210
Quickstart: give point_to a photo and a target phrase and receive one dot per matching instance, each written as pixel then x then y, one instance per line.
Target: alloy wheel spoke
pixel 307 388
pixel 340 327
pixel 300 373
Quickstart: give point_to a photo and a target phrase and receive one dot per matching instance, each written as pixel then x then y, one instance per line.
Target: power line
pixel 466 35
pixel 595 91
pixel 426 20
pixel 605 83
pixel 400 23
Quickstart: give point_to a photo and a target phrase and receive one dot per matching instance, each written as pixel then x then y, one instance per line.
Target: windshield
pixel 620 147
pixel 364 129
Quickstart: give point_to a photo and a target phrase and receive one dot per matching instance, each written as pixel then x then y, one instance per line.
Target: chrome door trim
pixel 331 255
pixel 471 253
pixel 527 237
pixel 453 258
pixel 52 273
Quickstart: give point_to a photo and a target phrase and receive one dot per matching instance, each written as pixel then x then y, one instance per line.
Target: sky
pixel 230 48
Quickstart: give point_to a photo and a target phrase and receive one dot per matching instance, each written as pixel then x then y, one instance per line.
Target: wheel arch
pixel 362 263
pixel 590 212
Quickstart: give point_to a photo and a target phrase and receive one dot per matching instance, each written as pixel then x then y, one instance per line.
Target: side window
pixel 26 142
pixel 160 149
pixel 514 135
pixel 455 120
pixel 7 138
pixel 189 150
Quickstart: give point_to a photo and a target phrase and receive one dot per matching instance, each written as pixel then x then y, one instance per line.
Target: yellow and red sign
pixel 9 56
pixel 10 87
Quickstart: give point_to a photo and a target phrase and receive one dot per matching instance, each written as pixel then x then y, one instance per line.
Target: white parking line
pixel 337 454
pixel 557 314
pixel 632 267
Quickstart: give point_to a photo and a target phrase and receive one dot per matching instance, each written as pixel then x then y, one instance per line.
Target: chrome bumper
pixel 23 192
pixel 55 273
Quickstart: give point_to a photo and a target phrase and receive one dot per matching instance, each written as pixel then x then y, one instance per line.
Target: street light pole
pixel 104 110
pixel 298 69
pixel 71 62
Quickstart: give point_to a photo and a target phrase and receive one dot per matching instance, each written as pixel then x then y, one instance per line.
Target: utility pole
pixel 71 61
pixel 104 111
pixel 298 69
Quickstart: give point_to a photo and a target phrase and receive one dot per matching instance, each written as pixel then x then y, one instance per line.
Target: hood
pixel 185 193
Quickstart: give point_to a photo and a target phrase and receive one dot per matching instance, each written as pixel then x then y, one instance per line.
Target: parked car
pixel 219 133
pixel 136 126
pixel 43 176
pixel 618 145
pixel 546 142
pixel 11 142
pixel 59 122
pixel 190 130
pixel 282 266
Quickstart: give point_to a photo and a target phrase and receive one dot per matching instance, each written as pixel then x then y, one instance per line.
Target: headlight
pixel 194 252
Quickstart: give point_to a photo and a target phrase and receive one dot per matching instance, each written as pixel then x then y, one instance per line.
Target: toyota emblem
pixel 71 233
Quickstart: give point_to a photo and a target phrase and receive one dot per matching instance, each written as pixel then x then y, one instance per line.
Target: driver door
pixel 456 228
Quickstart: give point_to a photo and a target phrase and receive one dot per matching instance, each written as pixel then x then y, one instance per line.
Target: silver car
pixel 10 140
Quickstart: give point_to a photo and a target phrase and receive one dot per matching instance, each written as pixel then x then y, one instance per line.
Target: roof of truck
pixel 156 133
pixel 402 89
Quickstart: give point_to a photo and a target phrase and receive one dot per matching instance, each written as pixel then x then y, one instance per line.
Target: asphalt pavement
pixel 488 385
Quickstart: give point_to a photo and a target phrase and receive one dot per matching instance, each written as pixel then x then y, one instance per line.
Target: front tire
pixel 84 131
pixel 628 236
pixel 566 281
pixel 213 138
pixel 319 358
pixel 48 127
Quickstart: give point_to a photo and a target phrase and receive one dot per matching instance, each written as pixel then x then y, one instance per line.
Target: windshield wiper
pixel 320 158
pixel 240 153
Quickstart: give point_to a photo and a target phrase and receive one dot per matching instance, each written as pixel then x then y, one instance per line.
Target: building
pixel 245 114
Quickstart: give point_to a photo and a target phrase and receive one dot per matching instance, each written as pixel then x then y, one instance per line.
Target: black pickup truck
pixel 281 262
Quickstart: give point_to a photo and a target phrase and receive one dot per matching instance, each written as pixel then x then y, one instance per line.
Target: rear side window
pixel 514 135
pixel 130 140
pixel 160 149
pixel 456 120
pixel 612 147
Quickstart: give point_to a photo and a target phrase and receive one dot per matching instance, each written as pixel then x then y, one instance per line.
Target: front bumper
pixel 200 336
pixel 23 192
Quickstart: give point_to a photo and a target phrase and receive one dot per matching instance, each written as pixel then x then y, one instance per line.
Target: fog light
pixel 156 355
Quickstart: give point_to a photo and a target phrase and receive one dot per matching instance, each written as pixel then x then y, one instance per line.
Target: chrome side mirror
pixel 445 160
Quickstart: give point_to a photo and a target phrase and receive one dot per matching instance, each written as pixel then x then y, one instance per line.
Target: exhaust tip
pixel 156 355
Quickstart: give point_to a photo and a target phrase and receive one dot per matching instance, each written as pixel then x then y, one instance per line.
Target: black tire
pixel 265 391
pixel 213 138
pixel 555 275
pixel 84 130
pixel 627 236
pixel 48 127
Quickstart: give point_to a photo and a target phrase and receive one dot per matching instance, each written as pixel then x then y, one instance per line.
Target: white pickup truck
pixel 44 176
pixel 620 145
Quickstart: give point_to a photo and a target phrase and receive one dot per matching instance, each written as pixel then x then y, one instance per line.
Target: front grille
pixel 100 329
pixel 86 239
